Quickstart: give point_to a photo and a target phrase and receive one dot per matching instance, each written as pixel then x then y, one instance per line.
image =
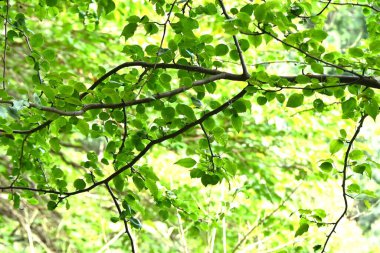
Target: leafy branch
pixel 344 179
pixel 120 214
pixel 354 4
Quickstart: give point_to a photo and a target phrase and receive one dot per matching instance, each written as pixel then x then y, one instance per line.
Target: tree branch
pixel 150 65
pixel 344 178
pixel 5 42
pixel 261 221
pixel 308 54
pixel 237 45
pixel 209 147
pixel 354 4
pixel 124 220
pixel 141 154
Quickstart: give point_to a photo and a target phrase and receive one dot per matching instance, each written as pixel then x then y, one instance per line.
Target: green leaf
pixel 260 13
pixel 186 110
pixel 280 98
pixel 303 228
pixel 66 90
pixel 33 201
pixel 139 183
pixel 262 100
pixel 57 172
pixel 118 181
pixel 318 35
pixel 295 100
pixel 54 144
pixel 83 127
pixel 207 179
pixel 108 6
pixel 115 219
pixel 336 145
pixel 129 30
pixel 36 40
pixel 356 155
pixel 372 108
pixel 360 168
pixel 135 223
pixel 348 107
pixel 186 162
pixel 326 166
pixel 374 46
pixel 318 105
pixel 79 184
pixel 239 106
pixel 356 52
pixel 51 3
pixel 353 188
pixel 51 205
pixel 168 113
pixel 16 200
pixel 317 68
pixel 237 122
pixel 151 185
pixel 221 50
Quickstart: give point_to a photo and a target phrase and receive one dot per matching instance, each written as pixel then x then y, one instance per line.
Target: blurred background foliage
pixel 271 164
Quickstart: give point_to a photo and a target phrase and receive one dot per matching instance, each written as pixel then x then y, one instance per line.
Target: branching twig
pixel 308 54
pixel 159 51
pixel 237 45
pixel 344 178
pixel 139 155
pixel 261 221
pixel 27 43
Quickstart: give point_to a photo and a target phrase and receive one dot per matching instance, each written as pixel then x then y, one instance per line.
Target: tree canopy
pixel 190 126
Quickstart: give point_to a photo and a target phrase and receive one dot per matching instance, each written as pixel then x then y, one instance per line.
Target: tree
pixel 95 93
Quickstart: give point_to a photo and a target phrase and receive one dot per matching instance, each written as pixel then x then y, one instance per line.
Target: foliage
pixel 193 120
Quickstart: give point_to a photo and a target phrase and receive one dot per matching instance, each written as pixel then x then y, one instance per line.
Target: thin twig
pixel 20 159
pixel 27 43
pixel 5 43
pixel 344 179
pixel 261 221
pixel 124 220
pixel 320 12
pixel 209 147
pixel 354 4
pixel 307 54
pixel 160 48
pixel 125 134
pixel 237 45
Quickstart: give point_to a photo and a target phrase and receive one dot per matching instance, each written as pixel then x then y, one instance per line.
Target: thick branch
pixel 343 81
pixel 150 65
